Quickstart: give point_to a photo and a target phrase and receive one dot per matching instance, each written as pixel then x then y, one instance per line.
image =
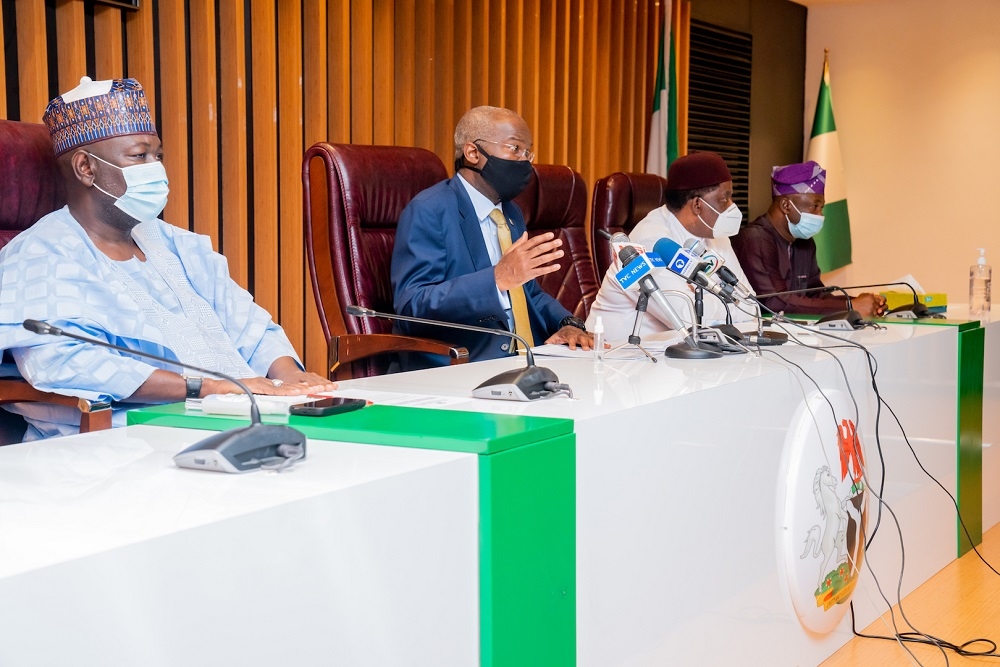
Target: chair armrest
pixel 353 347
pixel 94 415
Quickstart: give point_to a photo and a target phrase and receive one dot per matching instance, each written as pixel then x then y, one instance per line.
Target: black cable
pixel 916 636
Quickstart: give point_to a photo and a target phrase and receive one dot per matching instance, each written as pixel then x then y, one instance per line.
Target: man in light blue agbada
pixel 105 267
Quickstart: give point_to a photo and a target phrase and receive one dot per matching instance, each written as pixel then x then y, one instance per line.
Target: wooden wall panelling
pixel 338 48
pixel 204 126
pixel 425 106
pixel 362 103
pixel 530 32
pixel 478 53
pixel 514 64
pixel 463 30
pixel 139 63
pixel 404 82
pixel 32 59
pixel 444 80
pixel 294 290
pixel 563 82
pixel 574 106
pixel 316 91
pixel 233 128
pixel 383 72
pixel 264 94
pixel 612 54
pixel 109 54
pixel 546 92
pixel 682 16
pixel 588 165
pixel 495 32
pixel 71 37
pixel 173 125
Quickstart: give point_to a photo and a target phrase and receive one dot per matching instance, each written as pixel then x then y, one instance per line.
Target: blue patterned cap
pixel 97 110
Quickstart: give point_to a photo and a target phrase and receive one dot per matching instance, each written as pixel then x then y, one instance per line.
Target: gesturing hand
pixel 526 259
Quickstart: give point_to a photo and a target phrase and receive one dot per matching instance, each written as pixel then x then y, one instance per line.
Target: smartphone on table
pixel 327 405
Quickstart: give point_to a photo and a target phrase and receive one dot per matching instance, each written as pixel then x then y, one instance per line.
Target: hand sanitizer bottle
pixel 980 275
pixel 599 339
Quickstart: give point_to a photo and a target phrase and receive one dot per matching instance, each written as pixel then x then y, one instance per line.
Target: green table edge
pixel 396 426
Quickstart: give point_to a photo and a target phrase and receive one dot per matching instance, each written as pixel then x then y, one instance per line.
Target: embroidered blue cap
pixel 97 110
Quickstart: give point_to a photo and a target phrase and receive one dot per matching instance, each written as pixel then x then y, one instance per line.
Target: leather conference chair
pixel 620 201
pixel 556 201
pixel 30 187
pixel 354 196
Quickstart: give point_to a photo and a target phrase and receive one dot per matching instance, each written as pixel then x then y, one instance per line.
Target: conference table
pixel 668 513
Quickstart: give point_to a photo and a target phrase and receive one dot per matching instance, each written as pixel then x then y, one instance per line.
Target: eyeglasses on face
pixel 514 150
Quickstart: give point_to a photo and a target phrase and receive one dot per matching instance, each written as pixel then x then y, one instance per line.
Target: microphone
pixel 525 384
pixel 916 310
pixel 718 268
pixel 842 320
pixel 236 450
pixel 690 347
pixel 689 267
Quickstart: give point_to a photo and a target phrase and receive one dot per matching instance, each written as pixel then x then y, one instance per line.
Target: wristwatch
pixel 573 322
pixel 193 385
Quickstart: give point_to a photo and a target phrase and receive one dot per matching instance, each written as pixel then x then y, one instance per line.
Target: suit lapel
pixel 469 225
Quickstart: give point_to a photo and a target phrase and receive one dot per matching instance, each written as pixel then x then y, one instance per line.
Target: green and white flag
pixel 833 243
pixel 663 127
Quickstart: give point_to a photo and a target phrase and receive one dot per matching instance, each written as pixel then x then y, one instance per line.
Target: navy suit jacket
pixel 442 271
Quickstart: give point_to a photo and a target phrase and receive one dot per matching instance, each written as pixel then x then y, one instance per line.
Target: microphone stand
pixel 633 339
pixel 236 450
pixel 524 384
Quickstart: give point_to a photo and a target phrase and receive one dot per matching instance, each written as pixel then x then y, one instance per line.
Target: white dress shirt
pixel 616 306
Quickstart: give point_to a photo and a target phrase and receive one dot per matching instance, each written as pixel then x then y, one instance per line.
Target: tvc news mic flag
pixel 663 145
pixel 833 243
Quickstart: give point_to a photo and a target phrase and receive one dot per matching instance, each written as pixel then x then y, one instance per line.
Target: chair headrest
pixel 30 184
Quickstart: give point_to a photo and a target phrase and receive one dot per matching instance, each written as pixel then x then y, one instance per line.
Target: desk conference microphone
pixel 842 320
pixel 237 450
pixel 525 384
pixel 909 311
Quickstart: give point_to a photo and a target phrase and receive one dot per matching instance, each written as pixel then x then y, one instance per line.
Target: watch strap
pixel 193 386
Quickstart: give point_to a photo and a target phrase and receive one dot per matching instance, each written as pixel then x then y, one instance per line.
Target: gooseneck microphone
pixel 841 320
pixel 916 310
pixel 236 450
pixel 525 384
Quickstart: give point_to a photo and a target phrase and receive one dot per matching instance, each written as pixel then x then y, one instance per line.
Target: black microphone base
pixel 842 320
pixel 767 338
pixel 522 384
pixel 241 449
pixel 691 349
pixel 912 311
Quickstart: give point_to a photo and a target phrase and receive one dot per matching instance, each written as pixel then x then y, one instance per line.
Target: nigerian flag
pixel 663 127
pixel 833 243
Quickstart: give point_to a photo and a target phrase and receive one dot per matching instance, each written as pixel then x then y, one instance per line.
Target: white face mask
pixel 146 189
pixel 727 224
pixel 808 225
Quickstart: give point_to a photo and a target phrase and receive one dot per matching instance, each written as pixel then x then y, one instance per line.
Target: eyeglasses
pixel 514 150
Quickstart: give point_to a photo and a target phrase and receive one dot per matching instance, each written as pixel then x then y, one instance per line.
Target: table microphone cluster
pixel 237 450
pixel 523 384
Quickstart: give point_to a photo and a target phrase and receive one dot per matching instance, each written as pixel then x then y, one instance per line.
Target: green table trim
pixel 527 511
pixel 448 430
pixel 969 435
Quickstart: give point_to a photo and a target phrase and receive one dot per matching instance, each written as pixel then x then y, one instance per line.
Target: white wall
pixel 916 97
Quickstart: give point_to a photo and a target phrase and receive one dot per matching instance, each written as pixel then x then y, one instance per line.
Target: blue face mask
pixel 146 189
pixel 808 225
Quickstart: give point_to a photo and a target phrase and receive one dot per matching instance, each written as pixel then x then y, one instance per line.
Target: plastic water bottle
pixel 980 275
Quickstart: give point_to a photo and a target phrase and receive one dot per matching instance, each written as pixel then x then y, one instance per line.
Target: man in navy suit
pixel 462 254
